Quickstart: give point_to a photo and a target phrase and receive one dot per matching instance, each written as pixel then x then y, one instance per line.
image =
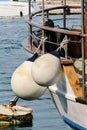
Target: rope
pixel 43 39
pixel 34 36
pixel 64 42
pixel 37 38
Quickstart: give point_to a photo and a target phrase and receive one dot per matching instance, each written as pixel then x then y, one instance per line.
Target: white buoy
pixel 23 85
pixel 46 70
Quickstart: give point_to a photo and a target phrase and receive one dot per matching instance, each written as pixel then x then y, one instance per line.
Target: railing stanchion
pixel 30 26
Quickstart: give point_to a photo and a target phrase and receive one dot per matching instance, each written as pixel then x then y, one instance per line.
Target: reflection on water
pixel 23 127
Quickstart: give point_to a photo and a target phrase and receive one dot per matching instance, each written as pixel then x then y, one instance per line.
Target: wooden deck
pixel 73 79
pixel 72 76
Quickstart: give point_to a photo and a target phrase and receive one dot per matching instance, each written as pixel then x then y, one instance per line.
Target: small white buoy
pixel 46 70
pixel 23 84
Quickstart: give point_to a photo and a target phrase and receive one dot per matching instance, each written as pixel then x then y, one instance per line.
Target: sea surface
pixel 12 33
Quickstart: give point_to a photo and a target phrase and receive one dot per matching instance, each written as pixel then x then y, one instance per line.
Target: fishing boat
pixel 59 61
pixel 15 8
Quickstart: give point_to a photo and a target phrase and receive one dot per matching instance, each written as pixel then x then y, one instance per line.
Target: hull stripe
pixel 73 124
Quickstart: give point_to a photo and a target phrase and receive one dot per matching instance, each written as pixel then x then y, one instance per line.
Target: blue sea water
pixel 12 33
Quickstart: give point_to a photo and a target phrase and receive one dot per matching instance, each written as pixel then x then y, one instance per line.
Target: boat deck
pixel 73 78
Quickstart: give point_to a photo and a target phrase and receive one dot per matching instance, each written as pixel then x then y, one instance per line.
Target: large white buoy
pixel 23 85
pixel 46 70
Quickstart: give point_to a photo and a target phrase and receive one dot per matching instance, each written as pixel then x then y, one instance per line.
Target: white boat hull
pixel 64 87
pixel 73 113
pixel 13 8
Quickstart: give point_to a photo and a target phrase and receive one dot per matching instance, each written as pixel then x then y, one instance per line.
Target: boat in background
pixel 59 61
pixel 16 8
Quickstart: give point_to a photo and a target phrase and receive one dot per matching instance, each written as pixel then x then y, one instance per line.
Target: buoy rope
pixel 37 38
pixel 64 42
pixel 42 40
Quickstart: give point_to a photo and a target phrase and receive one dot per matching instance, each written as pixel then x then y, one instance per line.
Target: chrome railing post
pixel 42 25
pixel 64 14
pixel 30 27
